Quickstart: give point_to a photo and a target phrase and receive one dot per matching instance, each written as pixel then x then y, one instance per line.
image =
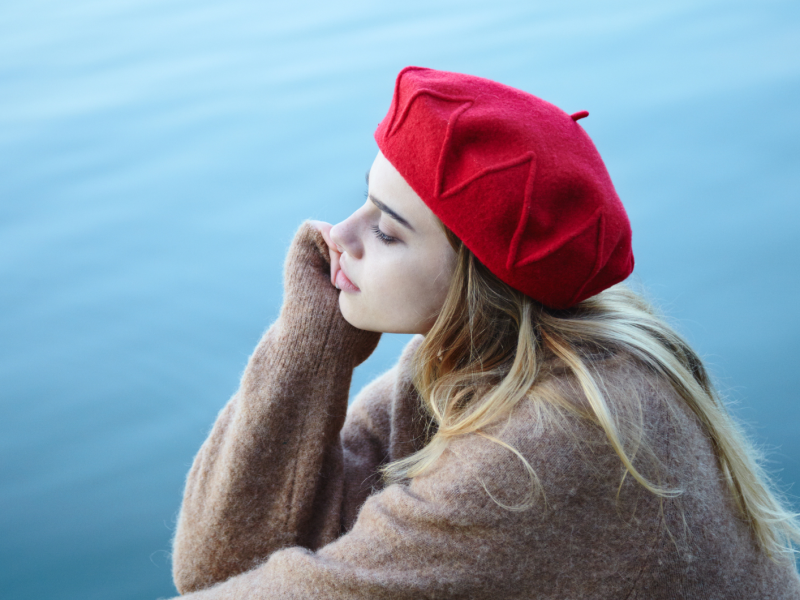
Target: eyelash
pixel 382 236
pixel 386 239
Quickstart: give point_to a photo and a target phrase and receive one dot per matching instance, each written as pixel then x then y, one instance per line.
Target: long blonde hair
pixel 485 351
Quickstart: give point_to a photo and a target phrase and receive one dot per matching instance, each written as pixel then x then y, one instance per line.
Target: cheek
pixel 400 292
pixel 410 287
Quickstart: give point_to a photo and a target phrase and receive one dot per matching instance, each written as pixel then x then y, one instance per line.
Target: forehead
pixel 388 186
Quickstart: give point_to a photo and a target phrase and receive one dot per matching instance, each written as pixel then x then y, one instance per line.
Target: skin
pixel 393 278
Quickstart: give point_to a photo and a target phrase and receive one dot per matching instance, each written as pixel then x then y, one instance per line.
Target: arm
pixel 365 444
pixel 270 474
pixel 440 536
pixel 386 422
pixel 443 536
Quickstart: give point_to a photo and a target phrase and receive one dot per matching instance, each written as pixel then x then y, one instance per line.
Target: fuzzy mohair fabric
pixel 516 178
pixel 284 499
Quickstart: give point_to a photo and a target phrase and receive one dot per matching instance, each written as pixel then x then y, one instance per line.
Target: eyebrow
pixel 388 210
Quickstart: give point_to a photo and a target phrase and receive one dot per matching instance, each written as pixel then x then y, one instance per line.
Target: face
pixel 395 254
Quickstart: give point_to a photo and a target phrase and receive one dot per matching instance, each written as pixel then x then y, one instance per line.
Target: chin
pixel 355 317
pixel 350 315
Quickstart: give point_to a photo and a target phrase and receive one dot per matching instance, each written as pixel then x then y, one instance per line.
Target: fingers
pixel 334 266
pixel 323 228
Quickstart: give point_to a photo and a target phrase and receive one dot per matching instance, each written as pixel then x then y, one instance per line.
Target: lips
pixel 343 282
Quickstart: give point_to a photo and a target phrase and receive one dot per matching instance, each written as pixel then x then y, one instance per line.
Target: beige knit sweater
pixel 284 500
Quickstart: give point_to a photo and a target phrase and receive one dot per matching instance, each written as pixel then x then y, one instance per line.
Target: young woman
pixel 544 436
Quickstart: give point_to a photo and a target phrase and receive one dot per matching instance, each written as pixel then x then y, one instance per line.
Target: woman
pixel 545 436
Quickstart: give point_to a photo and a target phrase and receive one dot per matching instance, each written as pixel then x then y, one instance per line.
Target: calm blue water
pixel 156 158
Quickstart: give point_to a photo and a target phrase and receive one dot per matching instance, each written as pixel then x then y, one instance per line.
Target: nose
pixel 345 235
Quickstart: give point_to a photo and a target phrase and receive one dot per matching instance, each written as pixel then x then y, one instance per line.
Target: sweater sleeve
pixel 440 536
pixel 271 472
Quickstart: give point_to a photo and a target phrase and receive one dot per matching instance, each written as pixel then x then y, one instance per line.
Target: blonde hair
pixel 484 354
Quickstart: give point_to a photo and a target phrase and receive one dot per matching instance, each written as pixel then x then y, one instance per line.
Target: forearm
pixel 269 475
pixel 425 539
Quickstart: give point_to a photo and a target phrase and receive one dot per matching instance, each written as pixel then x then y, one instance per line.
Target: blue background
pixel 157 157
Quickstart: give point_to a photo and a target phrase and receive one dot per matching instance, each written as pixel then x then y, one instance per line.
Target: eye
pixel 382 236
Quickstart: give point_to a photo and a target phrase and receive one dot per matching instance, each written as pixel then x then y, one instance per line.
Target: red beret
pixel 517 179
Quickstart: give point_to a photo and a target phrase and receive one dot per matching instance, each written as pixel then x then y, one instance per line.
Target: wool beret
pixel 517 179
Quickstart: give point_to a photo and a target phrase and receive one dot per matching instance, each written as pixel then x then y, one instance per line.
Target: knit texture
pixel 516 178
pixel 284 498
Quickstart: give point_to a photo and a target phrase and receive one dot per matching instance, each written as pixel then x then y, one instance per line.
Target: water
pixel 156 158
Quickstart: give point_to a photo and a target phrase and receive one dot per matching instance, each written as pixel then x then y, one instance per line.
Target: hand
pixel 308 302
pixel 335 253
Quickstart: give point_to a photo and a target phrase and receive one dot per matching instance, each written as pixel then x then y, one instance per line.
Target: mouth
pixel 343 282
